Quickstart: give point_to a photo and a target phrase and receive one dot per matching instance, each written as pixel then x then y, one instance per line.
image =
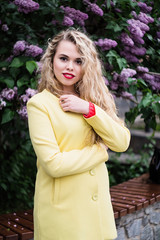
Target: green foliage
pixel 17 167
pixel 122 171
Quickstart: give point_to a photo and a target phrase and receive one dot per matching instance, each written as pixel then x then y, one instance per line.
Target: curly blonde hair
pixel 92 86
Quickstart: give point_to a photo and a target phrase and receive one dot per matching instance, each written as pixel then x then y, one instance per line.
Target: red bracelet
pixel 92 111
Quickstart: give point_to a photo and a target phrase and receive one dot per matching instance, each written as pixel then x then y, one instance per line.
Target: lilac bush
pixel 123 42
pixel 19 47
pixel 33 51
pixel 26 6
pixel 106 44
pixel 93 7
pixel 4 28
pixel 74 15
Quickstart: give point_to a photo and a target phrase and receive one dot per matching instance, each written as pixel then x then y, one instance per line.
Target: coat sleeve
pixel 54 162
pixel 113 134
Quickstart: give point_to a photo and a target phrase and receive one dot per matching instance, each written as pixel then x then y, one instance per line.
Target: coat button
pixel 95 197
pixel 92 172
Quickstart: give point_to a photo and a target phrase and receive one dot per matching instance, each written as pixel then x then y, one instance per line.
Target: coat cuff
pixel 92 111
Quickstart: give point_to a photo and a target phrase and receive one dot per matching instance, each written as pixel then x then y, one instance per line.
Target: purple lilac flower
pixel 19 47
pixel 158 35
pixel 30 92
pixel 8 93
pixel 136 23
pixel 135 30
pixel 24 98
pixel 135 50
pixel 67 21
pixel 106 81
pixel 93 7
pixel 26 6
pixel 119 81
pixel 148 77
pixel 75 15
pixel 2 103
pixel 39 68
pixel 118 10
pixel 137 39
pixel 129 57
pixel 114 85
pixel 33 51
pixel 5 28
pixel 112 3
pixel 23 112
pixel 143 17
pixel 54 22
pixel 134 14
pixel 142 69
pixel 126 40
pixel 152 80
pixel 15 90
pixel 106 44
pixel 115 76
pixel 144 8
pixel 9 59
pixel 127 72
pixel 124 75
pixel 127 95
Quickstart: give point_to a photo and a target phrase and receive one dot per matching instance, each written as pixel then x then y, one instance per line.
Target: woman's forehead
pixel 68 48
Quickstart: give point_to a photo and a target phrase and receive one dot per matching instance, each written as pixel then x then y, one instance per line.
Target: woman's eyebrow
pixel 63 55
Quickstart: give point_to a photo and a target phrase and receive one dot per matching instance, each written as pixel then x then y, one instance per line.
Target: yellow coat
pixel 72 200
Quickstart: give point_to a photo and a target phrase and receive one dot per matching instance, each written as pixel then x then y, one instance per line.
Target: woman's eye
pixel 79 62
pixel 63 59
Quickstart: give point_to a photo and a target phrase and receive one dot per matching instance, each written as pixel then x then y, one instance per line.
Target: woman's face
pixel 67 65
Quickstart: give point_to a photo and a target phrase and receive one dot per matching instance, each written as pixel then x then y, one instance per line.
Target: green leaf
pixel 4 186
pixel 150 37
pixel 140 81
pixel 133 89
pixel 108 3
pixel 23 81
pixel 9 82
pixel 33 83
pixel 132 114
pixel 121 63
pixel 158 51
pixel 14 72
pixel 17 62
pixel 156 107
pixel 31 66
pixel 146 100
pixel 112 53
pixel 7 116
pixel 150 51
pixel 4 64
pixel 114 26
pixel 131 80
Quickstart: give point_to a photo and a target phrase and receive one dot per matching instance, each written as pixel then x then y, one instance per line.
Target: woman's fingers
pixel 73 103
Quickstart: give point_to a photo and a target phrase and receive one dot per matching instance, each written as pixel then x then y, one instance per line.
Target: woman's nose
pixel 70 66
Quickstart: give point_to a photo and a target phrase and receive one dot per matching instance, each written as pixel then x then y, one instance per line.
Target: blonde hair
pixel 92 86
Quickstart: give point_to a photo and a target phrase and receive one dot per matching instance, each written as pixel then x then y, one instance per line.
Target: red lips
pixel 68 75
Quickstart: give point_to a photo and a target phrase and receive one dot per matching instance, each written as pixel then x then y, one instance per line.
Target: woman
pixel 72 121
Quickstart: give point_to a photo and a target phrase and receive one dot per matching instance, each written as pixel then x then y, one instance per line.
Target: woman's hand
pixel 73 103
